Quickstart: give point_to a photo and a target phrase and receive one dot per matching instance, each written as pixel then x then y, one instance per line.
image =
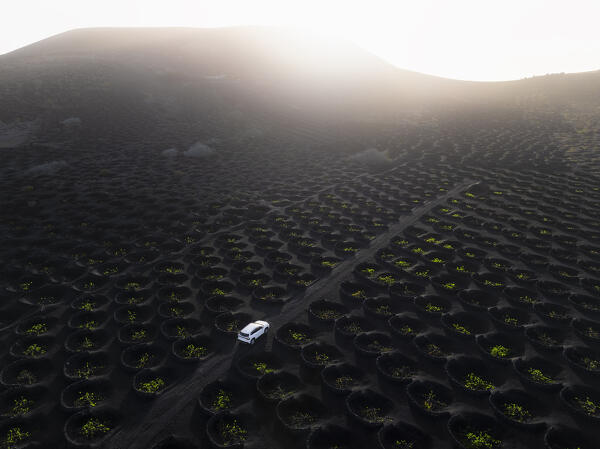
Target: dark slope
pixel 266 67
pixel 259 54
pixel 209 75
pixel 273 55
pixel 214 81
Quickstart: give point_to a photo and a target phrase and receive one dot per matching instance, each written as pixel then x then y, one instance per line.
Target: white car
pixel 252 331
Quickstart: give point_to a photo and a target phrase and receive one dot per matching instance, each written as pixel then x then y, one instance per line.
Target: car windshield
pixel 243 334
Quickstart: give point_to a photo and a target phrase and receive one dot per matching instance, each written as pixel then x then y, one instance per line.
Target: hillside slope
pixel 141 80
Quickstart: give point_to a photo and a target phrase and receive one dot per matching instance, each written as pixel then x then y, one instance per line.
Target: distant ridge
pixel 273 73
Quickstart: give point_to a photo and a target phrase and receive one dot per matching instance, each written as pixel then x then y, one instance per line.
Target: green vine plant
pixel 538 376
pixel 301 419
pixel 588 405
pixel 449 286
pixel 590 364
pixel 89 325
pixel 132 286
pixel 298 337
pixel 374 415
pixel 37 329
pixel 133 300
pixel 88 305
pixel 433 308
pixel 232 433
pixel 256 282
pixel 280 392
pixel 402 372
pixel 435 350
pixel 26 377
pixel 353 327
pixel 88 399
pixel 193 351
pixel 328 314
pixel 461 329
pixel 139 335
pixel 402 263
pixel 152 386
pixel 13 437
pixel 547 340
pixel 378 346
pixel 93 428
pixel 131 316
pixel 489 283
pixel 476 383
pixel 232 326
pixel 175 311
pixel 174 297
pixel 592 333
pixel 499 351
pixel 344 382
pixel 87 343
pixel 21 406
pixel 34 350
pixel 407 330
pixel 144 360
pixel 480 440
pixel 383 309
pixel 431 401
pixel 182 332
pixel 262 368
pixel 516 412
pixel 222 400
pixel 557 315
pixel 359 294
pixel 321 357
pixel 87 370
pixel 528 299
pixel 303 282
pixel 387 280
pixel 26 286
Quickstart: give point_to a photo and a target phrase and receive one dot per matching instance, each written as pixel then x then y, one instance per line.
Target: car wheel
pixel 266 330
pixel 252 341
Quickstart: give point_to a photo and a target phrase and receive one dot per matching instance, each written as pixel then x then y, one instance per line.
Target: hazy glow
pixel 465 39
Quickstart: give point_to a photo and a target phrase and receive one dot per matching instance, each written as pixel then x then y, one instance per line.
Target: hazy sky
pixel 465 39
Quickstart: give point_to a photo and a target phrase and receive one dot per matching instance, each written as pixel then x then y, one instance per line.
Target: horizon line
pixel 307 31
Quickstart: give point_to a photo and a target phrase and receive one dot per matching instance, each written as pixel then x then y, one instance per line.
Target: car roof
pixel 250 327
